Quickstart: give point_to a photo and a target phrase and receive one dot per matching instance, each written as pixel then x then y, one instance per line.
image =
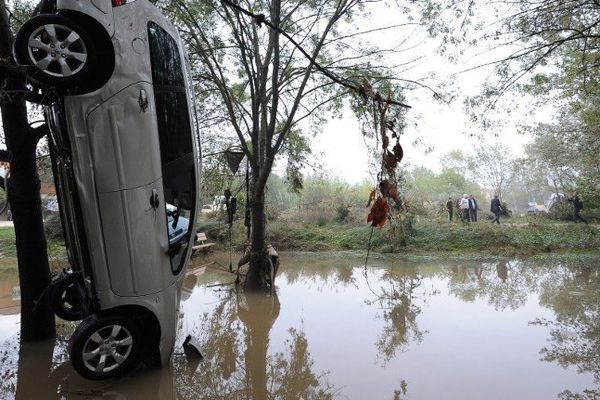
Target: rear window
pixel 166 61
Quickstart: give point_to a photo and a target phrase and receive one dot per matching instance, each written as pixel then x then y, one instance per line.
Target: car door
pixel 127 170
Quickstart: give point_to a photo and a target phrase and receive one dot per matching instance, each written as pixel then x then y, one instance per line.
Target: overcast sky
pixel 439 127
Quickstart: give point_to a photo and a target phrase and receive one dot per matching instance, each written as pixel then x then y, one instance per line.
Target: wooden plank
pixel 202 246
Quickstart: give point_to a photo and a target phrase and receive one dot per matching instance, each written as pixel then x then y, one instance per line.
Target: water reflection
pixel 238 364
pixel 396 296
pixel 429 329
pixel 10 294
pixel 574 340
pixel 505 284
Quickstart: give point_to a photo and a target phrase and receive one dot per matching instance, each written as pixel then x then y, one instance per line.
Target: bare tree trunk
pixel 37 318
pixel 255 279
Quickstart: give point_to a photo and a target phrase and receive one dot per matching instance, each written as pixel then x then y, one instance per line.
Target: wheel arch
pixel 105 49
pixel 148 324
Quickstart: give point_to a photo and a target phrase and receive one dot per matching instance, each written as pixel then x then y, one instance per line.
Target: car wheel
pixel 105 346
pixel 69 298
pixel 60 51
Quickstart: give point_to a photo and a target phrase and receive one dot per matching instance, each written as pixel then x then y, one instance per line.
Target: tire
pixel 105 346
pixel 69 298
pixel 60 52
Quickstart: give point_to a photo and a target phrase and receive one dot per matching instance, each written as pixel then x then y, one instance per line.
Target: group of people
pixel 468 208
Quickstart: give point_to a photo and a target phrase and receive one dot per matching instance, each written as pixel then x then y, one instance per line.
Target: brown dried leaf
pixel 388 189
pixel 398 151
pixel 379 212
pixel 390 162
pixel 385 141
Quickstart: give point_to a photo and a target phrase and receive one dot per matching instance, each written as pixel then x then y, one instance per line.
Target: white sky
pixel 440 127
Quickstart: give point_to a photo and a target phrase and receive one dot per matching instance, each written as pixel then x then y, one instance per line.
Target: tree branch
pixel 260 19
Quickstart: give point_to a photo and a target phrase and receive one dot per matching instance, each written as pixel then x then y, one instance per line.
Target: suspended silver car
pixel 125 159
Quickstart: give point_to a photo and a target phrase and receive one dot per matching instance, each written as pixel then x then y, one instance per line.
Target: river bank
pixel 428 238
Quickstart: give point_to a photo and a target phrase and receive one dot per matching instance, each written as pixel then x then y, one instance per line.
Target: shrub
pixel 562 211
pixel 506 212
pixel 53 227
pixel 342 212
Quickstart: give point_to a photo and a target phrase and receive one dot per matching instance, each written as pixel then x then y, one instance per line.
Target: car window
pixel 175 140
pixel 166 62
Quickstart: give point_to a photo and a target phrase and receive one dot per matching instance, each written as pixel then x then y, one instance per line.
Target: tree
pixel 521 38
pixel 493 167
pixel 458 161
pixel 529 183
pixel 270 79
pixel 37 317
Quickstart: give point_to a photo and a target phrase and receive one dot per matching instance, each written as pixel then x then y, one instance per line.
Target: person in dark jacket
pixel 450 208
pixel 473 209
pixel 577 207
pixel 496 208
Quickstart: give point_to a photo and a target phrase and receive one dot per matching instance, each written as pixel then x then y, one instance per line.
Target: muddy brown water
pixel 427 329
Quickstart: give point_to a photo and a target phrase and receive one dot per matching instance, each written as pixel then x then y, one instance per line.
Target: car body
pixel 125 155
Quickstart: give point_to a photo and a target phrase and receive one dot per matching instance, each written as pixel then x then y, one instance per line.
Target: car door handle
pixel 154 199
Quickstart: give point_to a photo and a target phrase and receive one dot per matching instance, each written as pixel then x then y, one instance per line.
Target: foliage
pixel 506 211
pixel 561 211
pixel 53 227
pixel 7 242
pixel 427 192
pixel 529 184
pixel 493 166
pixel 342 213
pixel 324 199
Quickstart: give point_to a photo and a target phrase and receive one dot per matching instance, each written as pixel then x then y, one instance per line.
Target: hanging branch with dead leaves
pixel 386 189
pixel 384 197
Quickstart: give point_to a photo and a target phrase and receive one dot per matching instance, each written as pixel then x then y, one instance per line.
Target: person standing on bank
pixel 450 208
pixel 577 207
pixel 464 208
pixel 472 208
pixel 496 208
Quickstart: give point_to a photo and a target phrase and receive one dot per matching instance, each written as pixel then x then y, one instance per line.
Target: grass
pixel 7 242
pixel 514 237
pixel 506 239
pixel 520 237
pixel 56 248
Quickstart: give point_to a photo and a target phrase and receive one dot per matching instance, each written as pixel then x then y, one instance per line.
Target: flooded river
pixel 427 329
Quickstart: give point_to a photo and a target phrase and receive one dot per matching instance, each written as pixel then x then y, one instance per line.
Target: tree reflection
pixel 235 338
pixel 396 297
pixel 573 294
pixel 504 284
